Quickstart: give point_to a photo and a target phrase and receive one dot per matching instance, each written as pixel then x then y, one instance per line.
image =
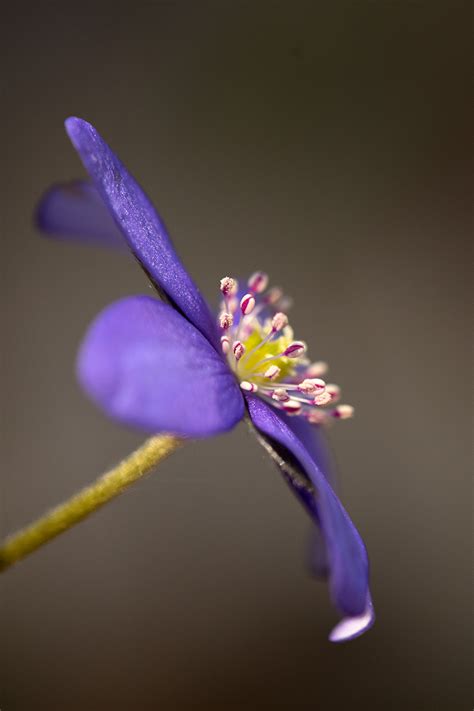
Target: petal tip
pixel 41 214
pixel 75 127
pixel 352 627
pixel 98 381
pixel 71 122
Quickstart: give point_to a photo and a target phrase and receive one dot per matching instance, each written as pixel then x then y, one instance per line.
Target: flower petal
pixel 318 561
pixel 148 367
pixel 352 627
pixel 315 442
pixel 314 439
pixel 141 225
pixel 347 556
pixel 76 211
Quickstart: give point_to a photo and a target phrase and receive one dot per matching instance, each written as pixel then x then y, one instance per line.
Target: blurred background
pixel 329 145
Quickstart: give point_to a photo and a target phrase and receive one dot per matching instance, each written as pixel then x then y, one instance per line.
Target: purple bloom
pixel 172 366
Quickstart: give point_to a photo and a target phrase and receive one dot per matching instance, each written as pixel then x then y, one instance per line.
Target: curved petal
pixel 303 489
pixel 141 225
pixel 314 440
pixel 347 556
pixel 352 627
pixel 148 367
pixel 318 556
pixel 76 211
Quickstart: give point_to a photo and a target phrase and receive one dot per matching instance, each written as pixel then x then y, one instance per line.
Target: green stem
pixel 78 507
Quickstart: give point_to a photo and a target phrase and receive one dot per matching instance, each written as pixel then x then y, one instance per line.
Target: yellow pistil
pixel 248 367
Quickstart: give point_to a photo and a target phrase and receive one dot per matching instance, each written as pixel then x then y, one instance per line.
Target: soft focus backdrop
pixel 327 144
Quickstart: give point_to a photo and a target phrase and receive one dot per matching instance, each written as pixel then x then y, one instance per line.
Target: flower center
pixel 258 343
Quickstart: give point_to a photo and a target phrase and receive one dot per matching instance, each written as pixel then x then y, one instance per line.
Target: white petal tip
pixel 352 627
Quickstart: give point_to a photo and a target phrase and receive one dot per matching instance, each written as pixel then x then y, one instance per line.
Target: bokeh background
pixel 327 143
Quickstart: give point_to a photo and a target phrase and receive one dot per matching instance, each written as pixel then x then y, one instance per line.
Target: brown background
pixel 329 145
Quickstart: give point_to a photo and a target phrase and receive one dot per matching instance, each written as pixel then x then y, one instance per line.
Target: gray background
pixel 327 144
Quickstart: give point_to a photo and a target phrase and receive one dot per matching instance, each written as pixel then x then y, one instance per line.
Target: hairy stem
pixel 79 506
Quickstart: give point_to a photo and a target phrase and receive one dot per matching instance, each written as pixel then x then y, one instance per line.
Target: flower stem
pixel 79 506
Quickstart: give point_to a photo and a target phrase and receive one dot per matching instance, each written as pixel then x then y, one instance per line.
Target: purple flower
pixel 172 366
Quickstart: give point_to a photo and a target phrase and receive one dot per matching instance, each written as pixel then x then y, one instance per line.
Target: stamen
pixel 312 386
pixel 315 370
pixel 292 407
pixel 272 372
pixel 239 350
pixel 285 303
pixel 262 319
pixel 322 399
pixel 225 344
pixel 247 304
pixel 295 349
pixel 232 304
pixel 258 282
pixel 316 417
pixel 343 412
pixel 225 320
pixel 248 387
pixel 229 286
pixel 334 391
pixel 279 321
pixel 280 395
pixel 274 295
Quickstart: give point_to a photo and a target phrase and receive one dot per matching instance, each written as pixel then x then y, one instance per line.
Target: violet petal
pixel 148 367
pixel 141 226
pixel 75 211
pixel 314 440
pixel 352 627
pixel 349 569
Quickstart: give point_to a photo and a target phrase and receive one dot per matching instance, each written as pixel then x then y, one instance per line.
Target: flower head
pixel 260 348
pixel 175 367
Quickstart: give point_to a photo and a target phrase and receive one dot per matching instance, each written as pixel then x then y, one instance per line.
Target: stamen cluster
pixel 259 345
